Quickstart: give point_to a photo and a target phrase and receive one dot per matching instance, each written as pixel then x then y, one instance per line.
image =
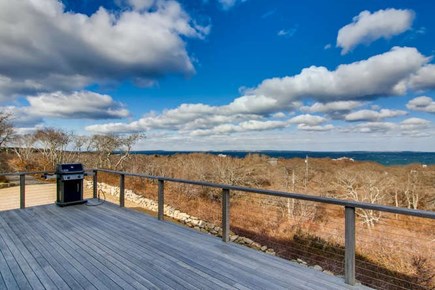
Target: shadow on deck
pixel 107 247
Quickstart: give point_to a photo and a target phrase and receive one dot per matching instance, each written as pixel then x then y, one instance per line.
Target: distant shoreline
pixel 387 158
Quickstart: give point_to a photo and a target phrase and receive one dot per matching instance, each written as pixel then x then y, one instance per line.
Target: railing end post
pixel 121 190
pixel 95 183
pixel 161 199
pixel 225 214
pixel 22 191
pixel 349 254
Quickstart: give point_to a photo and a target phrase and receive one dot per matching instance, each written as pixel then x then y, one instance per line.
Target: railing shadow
pixel 317 251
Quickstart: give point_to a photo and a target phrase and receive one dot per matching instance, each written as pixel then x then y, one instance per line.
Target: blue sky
pixel 224 74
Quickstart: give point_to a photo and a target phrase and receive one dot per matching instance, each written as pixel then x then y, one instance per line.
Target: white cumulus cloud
pixel 414 123
pixel 380 75
pixel 368 27
pixel 336 93
pixel 342 106
pixel 423 103
pixel 315 128
pixel 76 105
pixel 335 110
pixel 247 126
pixel 424 78
pixel 44 48
pixel 416 127
pixel 371 115
pixel 374 127
pixel 307 119
pixel 412 127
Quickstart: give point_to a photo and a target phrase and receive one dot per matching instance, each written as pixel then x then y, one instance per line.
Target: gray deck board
pixel 7 279
pixel 203 261
pixel 240 261
pixel 153 260
pixel 107 247
pixel 64 255
pixel 34 254
pixel 17 261
pixel 87 263
pixel 66 271
pixel 247 273
pixel 110 258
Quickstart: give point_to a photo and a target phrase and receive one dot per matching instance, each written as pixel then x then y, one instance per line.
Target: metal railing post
pixel 22 191
pixel 349 254
pixel 95 184
pixel 121 190
pixel 161 200
pixel 225 214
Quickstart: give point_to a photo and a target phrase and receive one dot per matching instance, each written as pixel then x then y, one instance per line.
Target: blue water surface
pixel 385 158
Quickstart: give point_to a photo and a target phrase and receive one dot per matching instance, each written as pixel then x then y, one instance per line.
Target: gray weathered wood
pixel 33 241
pixel 95 184
pixel 66 255
pixel 41 258
pixel 241 261
pixel 114 260
pixel 108 247
pixel 28 265
pixel 225 215
pixel 121 190
pixel 14 267
pixel 7 278
pixel 22 191
pixel 161 200
pixel 349 256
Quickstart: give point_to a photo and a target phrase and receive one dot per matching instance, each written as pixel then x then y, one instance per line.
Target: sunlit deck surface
pixel 107 247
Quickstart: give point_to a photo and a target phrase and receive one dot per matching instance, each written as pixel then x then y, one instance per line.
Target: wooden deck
pixel 107 247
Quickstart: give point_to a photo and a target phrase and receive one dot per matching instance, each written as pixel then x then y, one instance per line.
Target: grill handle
pixel 48 176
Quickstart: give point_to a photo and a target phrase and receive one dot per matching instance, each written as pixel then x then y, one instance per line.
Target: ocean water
pixel 385 158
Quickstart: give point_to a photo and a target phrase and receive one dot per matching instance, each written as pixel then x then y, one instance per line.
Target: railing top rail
pixel 25 173
pixel 327 200
pixel 35 172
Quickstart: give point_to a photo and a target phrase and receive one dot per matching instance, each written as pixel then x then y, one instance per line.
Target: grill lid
pixel 69 168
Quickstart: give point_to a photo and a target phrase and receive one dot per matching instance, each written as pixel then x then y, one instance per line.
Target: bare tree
pixel 52 144
pixel 126 144
pixel 297 211
pixel 412 192
pixel 409 189
pixel 24 147
pixel 78 143
pixel 6 128
pixel 106 146
pixel 367 187
pixel 245 172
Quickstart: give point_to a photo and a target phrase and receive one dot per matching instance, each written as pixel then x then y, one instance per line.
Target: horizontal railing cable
pixel 327 200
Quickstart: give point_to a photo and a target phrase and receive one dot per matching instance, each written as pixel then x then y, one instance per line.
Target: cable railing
pixel 350 207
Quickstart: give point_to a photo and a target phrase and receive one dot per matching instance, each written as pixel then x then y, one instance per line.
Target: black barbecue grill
pixel 69 184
